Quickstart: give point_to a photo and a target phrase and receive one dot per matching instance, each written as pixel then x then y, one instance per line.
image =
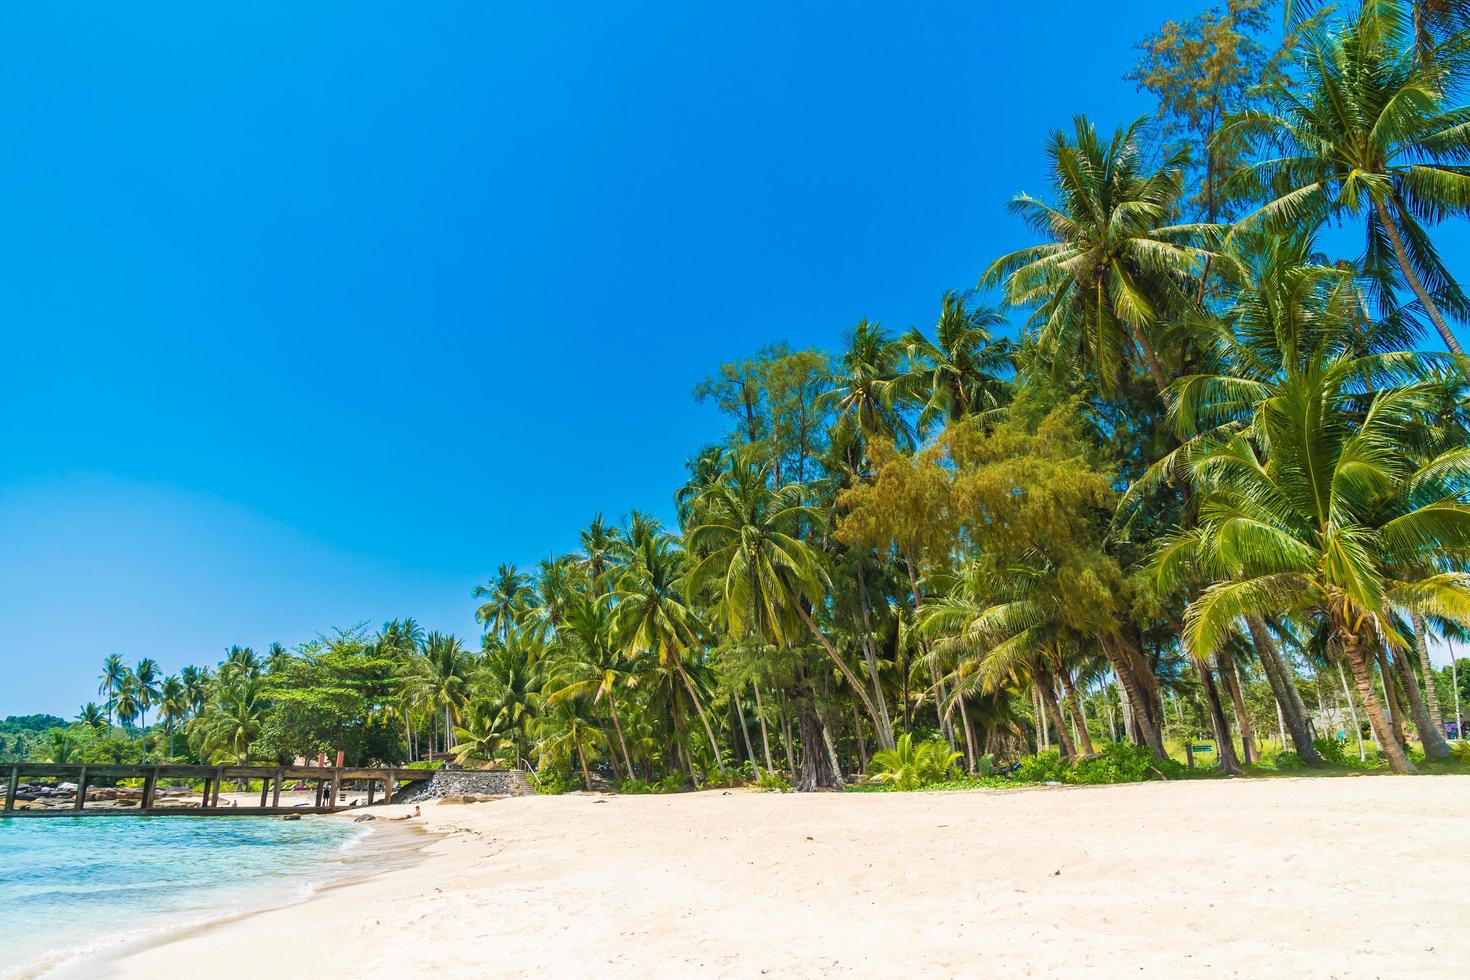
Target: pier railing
pixel 326 781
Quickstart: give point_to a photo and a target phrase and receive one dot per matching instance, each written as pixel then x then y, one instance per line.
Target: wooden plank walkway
pixel 328 784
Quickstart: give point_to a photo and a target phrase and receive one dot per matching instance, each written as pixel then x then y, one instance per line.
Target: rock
pixel 365 818
pixel 290 816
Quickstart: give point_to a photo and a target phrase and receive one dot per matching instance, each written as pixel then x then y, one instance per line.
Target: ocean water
pixel 70 886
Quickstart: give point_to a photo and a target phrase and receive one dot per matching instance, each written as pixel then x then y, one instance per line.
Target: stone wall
pixel 468 782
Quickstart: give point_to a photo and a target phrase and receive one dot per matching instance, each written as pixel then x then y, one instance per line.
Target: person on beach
pixel 407 816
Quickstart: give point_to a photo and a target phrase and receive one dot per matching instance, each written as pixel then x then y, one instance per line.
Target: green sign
pixel 1201 748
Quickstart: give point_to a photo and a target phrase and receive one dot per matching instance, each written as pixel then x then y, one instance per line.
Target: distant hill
pixel 13 724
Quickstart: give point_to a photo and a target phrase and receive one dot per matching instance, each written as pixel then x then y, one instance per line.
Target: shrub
pixel 909 766
pixel 1333 752
pixel 1118 763
pixel 555 783
pixel 773 782
pixel 634 787
pixel 1043 767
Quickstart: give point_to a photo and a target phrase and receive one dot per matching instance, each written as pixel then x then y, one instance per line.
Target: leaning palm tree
pixel 1366 132
pixel 126 701
pixel 961 371
pixel 765 580
pixel 1114 267
pixel 1313 512
pixel 444 677
pixel 114 672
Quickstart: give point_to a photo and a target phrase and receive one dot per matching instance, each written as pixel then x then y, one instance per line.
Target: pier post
pixel 81 789
pixel 10 788
pixel 219 779
pixel 276 790
pixel 265 787
pixel 150 787
pixel 336 788
pixel 389 785
pixel 204 803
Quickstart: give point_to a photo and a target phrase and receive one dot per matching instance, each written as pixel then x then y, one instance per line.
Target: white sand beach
pixel 1349 877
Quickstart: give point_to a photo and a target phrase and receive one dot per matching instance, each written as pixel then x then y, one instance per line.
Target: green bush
pixel 1334 752
pixel 909 766
pixel 773 782
pixel 1118 763
pixel 555 783
pixel 634 787
pixel 1043 767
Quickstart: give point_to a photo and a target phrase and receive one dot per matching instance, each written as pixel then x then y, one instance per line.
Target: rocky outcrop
pixel 469 786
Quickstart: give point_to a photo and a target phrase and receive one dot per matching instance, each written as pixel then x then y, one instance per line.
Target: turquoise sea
pixel 74 885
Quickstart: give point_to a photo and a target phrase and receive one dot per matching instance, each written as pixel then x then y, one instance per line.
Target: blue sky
pixel 315 313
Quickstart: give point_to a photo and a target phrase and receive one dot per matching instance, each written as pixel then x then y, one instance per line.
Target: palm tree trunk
pixel 582 758
pixel 1352 713
pixel 1430 307
pixel 1237 699
pixel 786 737
pixel 1430 734
pixel 1075 704
pixel 1049 701
pixel 1352 650
pixel 939 693
pixel 1282 686
pixel 1431 696
pixel 1391 695
pixel 885 725
pixel 969 734
pixel 709 732
pixel 817 771
pixel 612 709
pixel 846 671
pixel 760 716
pixel 1224 741
pixel 745 732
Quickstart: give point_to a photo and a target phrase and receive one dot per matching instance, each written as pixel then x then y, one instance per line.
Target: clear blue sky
pixel 315 313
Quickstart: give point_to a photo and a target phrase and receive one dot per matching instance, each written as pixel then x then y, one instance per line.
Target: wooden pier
pixel 326 781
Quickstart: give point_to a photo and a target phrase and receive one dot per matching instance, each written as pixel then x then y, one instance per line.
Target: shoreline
pixel 395 846
pixel 1196 878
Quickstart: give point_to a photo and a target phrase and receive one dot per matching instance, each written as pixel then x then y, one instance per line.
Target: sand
pixel 1346 877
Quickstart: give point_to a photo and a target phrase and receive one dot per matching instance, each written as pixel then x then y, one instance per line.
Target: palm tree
pixel 599 548
pixel 232 721
pixel 1365 131
pixel 480 734
pixel 444 677
pixel 145 676
pixel 126 700
pixel 240 662
pixel 958 373
pixel 509 595
pixel 114 671
pixel 1114 268
pixel 173 702
pixel 1313 511
pixel 764 578
pixel 654 614
pixel 592 664
pixel 862 394
pixel 509 685
pixel 92 716
pixel 571 732
pixel 196 686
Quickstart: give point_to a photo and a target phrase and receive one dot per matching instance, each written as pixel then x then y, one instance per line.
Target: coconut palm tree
pixel 1114 268
pixel 959 372
pixel 765 580
pixel 145 677
pixel 125 700
pixel 233 719
pixel 571 733
pixel 654 615
pixel 92 716
pixel 509 684
pixel 1314 512
pixel 444 671
pixel 591 664
pixel 196 686
pixel 241 662
pixel 173 703
pixel 862 395
pixel 507 596
pixel 1366 132
pixel 114 671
